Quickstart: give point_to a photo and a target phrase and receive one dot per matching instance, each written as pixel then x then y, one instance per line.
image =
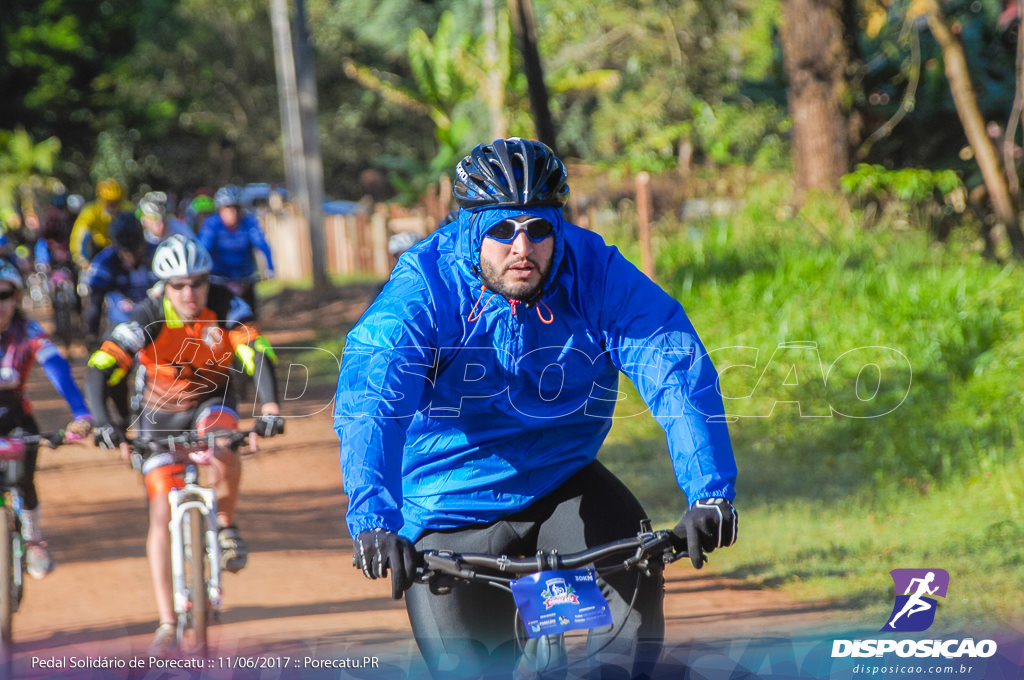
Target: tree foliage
pixel 55 56
pixel 905 75
pixel 197 97
pixel 176 94
pixel 25 166
pixel 669 62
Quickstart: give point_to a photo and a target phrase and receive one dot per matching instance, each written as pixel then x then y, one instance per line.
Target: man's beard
pixel 522 291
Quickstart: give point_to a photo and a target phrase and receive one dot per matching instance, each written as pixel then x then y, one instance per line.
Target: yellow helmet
pixel 109 190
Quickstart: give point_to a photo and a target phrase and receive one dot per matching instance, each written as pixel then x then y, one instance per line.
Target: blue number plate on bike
pixel 552 602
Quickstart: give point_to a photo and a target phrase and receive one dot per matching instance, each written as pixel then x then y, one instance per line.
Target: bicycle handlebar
pixel 51 439
pixel 13 447
pixel 465 566
pixel 184 444
pixel 190 441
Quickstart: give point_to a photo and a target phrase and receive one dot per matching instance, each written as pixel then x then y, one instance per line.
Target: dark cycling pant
pixel 27 484
pixel 470 631
pixel 249 295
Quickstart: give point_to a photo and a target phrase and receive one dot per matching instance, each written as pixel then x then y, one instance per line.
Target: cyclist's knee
pixel 161 480
pixel 225 465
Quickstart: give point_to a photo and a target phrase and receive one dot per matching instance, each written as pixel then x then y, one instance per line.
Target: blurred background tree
pixel 177 94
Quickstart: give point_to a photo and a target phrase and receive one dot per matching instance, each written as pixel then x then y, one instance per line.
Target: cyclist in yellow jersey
pixel 91 232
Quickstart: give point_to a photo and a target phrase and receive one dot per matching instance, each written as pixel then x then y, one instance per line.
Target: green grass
pixel 930 472
pixel 272 287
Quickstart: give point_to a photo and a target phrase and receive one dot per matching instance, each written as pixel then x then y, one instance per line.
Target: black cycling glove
pixel 711 523
pixel 268 426
pixel 108 437
pixel 378 550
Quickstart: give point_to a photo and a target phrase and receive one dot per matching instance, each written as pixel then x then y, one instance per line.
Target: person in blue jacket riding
pixel 476 391
pixel 231 235
pixel 119 277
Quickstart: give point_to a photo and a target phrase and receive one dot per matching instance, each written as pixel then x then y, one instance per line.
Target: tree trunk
pixel 974 125
pixel 526 36
pixel 815 61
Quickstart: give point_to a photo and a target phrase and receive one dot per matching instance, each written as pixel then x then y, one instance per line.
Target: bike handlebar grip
pixel 67 438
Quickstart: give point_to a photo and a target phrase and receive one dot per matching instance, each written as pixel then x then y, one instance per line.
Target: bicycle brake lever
pixel 440 584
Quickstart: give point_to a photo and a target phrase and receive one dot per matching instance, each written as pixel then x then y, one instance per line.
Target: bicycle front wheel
pixel 197 580
pixel 7 594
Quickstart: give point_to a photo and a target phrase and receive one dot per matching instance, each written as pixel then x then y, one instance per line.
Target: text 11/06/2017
pixel 259 662
pixel 226 662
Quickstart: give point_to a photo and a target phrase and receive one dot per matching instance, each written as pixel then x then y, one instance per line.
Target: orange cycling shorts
pixel 161 480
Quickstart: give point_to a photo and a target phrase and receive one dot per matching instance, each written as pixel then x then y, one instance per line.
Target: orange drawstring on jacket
pixel 513 306
pixel 473 314
pixel 551 315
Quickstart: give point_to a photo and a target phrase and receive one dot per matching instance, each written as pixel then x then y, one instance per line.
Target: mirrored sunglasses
pixel 506 231
pixel 197 282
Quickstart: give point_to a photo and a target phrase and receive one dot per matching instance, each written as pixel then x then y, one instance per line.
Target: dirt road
pixel 299 597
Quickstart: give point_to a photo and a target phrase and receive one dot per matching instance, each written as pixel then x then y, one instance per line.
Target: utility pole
pixel 298 154
pixel 494 80
pixel 311 146
pixel 287 97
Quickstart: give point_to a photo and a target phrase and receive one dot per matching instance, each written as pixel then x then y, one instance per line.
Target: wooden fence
pixel 356 243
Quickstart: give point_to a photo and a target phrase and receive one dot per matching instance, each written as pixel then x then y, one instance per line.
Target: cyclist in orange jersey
pixel 184 342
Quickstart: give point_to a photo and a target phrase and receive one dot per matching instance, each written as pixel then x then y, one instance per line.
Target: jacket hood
pixel 471 226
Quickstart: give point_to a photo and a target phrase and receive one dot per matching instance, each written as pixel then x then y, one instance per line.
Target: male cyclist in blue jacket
pixel 119 279
pixel 230 235
pixel 476 391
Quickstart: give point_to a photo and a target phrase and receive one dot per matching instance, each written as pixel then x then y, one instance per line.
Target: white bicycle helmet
pixel 228 195
pixel 180 257
pixel 75 203
pixel 154 204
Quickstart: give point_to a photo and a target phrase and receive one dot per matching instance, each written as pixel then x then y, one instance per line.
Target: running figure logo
pixel 914 610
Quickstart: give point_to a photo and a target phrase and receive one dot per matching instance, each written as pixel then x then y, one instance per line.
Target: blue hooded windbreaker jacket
pixel 456 407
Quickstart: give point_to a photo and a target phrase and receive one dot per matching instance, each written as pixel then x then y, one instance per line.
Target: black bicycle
pixel 12 545
pixel 564 584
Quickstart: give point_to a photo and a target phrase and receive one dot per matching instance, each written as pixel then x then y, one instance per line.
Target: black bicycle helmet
pixel 510 172
pixel 126 232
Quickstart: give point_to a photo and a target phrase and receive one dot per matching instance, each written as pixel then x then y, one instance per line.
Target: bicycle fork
pixel 205 500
